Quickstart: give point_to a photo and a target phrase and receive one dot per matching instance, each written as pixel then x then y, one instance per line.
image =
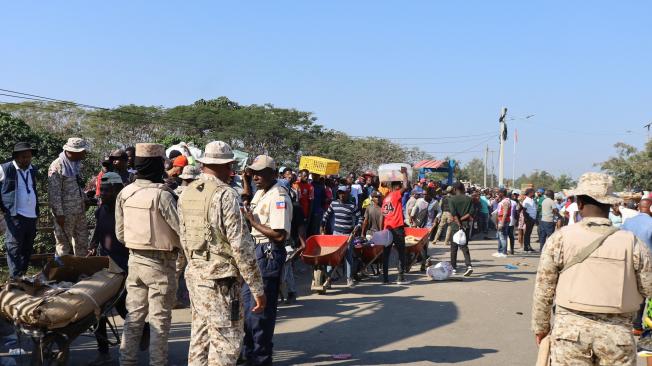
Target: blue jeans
pixel 545 230
pixel 19 242
pixel 257 345
pixel 503 236
pixel 259 328
pixel 348 256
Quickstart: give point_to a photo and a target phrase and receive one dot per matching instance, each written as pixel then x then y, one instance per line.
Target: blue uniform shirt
pixel 641 226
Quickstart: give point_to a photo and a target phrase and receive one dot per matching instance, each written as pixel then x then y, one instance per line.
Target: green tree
pixel 473 171
pixel 286 134
pixel 564 181
pixel 630 167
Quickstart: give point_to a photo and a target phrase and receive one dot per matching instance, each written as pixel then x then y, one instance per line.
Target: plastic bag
pixel 194 151
pixel 460 237
pixel 440 271
pixel 383 237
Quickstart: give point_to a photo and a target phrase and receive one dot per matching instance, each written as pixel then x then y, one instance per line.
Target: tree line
pixel 283 133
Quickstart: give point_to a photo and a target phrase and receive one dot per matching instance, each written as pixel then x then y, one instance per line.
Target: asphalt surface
pixel 479 320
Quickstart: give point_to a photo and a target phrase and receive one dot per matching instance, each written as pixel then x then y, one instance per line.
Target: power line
pixel 426 138
pixel 469 150
pixel 48 107
pixel 444 142
pixel 38 98
pixel 451 152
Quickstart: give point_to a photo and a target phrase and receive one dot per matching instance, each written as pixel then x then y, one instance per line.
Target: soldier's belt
pixel 156 254
pixel 267 241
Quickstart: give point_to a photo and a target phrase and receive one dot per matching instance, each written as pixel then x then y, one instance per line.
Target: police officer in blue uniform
pixel 270 215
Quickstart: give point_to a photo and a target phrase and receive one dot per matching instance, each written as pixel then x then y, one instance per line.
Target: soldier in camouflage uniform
pixel 67 199
pixel 597 276
pixel 189 174
pixel 146 221
pixel 220 253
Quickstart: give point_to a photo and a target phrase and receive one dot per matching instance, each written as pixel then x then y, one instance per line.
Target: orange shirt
pixel 392 209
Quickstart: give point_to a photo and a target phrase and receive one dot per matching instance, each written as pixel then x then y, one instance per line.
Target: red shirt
pixel 501 208
pixel 393 210
pixel 306 194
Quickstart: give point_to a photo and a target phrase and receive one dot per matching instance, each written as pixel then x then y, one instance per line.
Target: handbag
pixel 543 357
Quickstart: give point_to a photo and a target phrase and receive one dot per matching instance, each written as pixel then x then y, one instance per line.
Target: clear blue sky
pixel 395 69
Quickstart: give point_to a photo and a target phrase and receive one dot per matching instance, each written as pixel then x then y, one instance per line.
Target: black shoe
pixel 401 280
pixel 468 272
pixel 385 281
pixel 144 339
pixel 292 298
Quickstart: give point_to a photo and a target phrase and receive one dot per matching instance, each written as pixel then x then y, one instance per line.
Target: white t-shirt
pixel 513 220
pixel 530 207
pixel 356 191
pixel 572 209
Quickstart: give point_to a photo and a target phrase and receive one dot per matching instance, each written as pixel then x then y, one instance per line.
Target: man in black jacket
pixel 19 203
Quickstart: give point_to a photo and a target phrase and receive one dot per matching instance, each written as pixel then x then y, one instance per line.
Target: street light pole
pixel 486 158
pixel 503 137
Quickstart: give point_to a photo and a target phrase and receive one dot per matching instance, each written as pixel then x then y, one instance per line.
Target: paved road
pixel 481 320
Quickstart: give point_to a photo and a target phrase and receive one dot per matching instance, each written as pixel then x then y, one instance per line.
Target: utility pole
pixel 648 130
pixel 486 158
pixel 493 172
pixel 503 137
pixel 514 160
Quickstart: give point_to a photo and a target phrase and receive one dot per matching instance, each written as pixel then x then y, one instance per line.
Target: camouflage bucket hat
pixel 217 152
pixel 75 144
pixel 598 186
pixel 190 172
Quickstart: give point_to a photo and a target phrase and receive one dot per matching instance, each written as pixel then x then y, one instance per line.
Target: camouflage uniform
pixel 151 285
pixel 581 338
pixel 215 339
pixel 446 220
pixel 181 261
pixel 66 198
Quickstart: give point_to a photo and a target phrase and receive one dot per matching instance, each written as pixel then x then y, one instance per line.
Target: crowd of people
pixel 174 219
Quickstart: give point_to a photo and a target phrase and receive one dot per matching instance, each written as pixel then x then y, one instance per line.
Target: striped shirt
pixel 346 215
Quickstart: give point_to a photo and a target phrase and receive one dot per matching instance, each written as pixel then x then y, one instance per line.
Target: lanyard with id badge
pixel 26 178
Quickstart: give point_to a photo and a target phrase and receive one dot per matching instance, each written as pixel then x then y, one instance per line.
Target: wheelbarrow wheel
pixel 51 350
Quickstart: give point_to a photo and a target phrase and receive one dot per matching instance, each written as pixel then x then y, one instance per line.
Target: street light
pixel 503 138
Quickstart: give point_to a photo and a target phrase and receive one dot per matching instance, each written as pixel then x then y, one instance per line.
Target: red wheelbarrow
pixel 415 240
pixel 322 251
